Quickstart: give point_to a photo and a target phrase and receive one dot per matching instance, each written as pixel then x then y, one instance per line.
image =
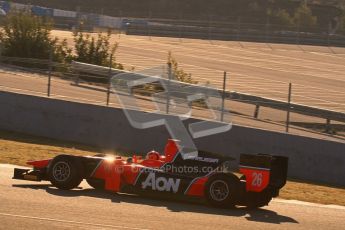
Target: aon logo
pixel 161 183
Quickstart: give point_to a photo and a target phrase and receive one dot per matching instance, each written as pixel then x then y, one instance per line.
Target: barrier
pixel 310 159
pixel 231 95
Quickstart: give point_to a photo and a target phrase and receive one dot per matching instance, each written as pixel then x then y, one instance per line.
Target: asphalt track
pixel 32 205
pixel 318 77
pixel 36 84
pixel 317 73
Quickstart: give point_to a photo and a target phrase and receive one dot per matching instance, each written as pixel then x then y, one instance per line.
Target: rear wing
pixel 262 171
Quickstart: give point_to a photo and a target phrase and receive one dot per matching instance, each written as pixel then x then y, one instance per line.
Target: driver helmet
pixel 152 155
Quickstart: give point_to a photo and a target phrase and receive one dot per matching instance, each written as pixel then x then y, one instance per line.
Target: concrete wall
pixel 310 159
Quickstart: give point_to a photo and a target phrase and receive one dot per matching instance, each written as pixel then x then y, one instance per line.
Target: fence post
pixel 256 112
pixel 168 88
pixel 50 71
pixel 238 29
pixel 210 27
pixel 298 33
pixel 239 32
pixel 180 26
pixel 77 77
pixel 288 108
pixel 0 52
pixel 77 26
pixel 223 97
pixel 328 42
pixel 267 32
pixel 109 79
pixel 149 25
pixel 120 30
pixel 328 126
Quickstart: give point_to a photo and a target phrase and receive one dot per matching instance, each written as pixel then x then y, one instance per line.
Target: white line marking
pixel 70 221
pixel 297 202
pixel 262 64
pixel 261 89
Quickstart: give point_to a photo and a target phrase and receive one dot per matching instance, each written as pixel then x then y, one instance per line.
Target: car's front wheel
pixel 98 184
pixel 65 172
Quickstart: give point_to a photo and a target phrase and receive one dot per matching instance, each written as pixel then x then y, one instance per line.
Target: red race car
pixel 207 176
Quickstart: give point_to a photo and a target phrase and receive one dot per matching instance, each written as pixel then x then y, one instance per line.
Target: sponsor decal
pixel 161 183
pixel 204 159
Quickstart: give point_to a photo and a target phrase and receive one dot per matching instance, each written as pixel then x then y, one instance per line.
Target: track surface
pixel 317 73
pixel 319 80
pixel 205 60
pixel 31 205
pixel 34 84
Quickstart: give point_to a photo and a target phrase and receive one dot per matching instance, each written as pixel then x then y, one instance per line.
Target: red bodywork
pixel 117 172
pixel 39 164
pixel 257 179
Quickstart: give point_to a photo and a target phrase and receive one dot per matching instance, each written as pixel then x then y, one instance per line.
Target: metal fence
pixel 237 31
pixel 91 84
pixel 188 26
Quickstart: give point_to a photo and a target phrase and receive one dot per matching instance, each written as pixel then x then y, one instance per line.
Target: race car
pixel 207 176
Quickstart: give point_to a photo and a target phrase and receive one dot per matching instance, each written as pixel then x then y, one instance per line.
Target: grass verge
pixel 18 148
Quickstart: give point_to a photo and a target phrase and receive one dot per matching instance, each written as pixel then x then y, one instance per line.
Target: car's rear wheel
pixel 65 172
pixel 222 190
pixel 258 199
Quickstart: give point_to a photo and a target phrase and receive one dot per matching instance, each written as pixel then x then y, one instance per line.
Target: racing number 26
pixel 257 179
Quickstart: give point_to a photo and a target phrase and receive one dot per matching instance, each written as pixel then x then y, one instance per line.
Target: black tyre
pixel 223 190
pixel 258 199
pixel 96 183
pixel 65 172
